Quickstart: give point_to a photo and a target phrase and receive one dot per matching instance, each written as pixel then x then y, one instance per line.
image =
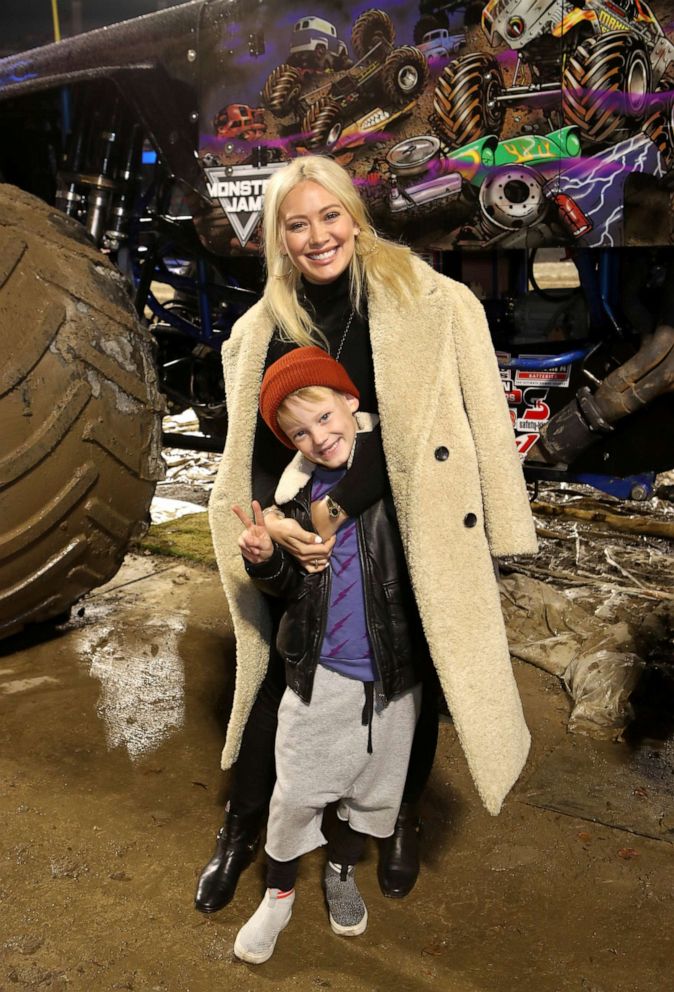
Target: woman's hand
pixel 306 547
pixel 255 543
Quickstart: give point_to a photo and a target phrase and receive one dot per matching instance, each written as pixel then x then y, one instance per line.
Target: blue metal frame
pixel 614 485
pixel 545 362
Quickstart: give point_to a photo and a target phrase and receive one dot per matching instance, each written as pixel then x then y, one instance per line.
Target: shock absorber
pixel 116 231
pixel 70 194
pixel 102 185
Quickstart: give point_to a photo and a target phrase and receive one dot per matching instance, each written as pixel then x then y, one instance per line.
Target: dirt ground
pixel 111 794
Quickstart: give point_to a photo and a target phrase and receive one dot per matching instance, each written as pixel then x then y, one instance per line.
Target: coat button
pixel 470 520
pixel 442 453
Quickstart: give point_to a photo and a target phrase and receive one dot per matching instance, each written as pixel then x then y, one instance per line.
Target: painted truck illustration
pixel 315 45
pixel 440 44
pixel 136 158
pixel 239 121
pixel 595 64
pixel 374 92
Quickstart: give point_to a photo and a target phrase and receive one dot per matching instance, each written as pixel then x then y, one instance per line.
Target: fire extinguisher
pixel 573 218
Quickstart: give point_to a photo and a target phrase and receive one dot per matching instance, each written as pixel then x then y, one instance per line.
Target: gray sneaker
pixel 348 915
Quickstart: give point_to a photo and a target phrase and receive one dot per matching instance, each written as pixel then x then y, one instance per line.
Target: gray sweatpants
pixel 322 757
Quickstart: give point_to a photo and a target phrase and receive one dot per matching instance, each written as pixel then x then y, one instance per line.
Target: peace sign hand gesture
pixel 255 543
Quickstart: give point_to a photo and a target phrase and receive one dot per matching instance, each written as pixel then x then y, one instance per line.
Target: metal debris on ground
pixel 189 474
pixel 596 605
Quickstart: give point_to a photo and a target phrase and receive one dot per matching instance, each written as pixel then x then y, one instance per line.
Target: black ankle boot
pixel 234 850
pixel 399 855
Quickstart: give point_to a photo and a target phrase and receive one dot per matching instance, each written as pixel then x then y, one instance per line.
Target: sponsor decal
pixel 513 393
pixel 240 191
pixel 543 377
pixel 529 409
pixel 536 412
pixel 611 22
pixel 525 443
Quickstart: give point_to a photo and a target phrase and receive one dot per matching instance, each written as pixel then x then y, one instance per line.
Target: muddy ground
pixel 109 739
pixel 111 794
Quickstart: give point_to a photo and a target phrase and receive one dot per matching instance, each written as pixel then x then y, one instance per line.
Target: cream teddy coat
pixel 439 390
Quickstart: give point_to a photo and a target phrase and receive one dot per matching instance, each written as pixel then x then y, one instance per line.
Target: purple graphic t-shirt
pixel 346 646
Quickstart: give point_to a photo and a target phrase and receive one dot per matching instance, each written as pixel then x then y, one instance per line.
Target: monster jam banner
pixel 240 191
pixel 516 123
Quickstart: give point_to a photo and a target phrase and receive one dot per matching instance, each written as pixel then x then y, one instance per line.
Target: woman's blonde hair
pixel 376 261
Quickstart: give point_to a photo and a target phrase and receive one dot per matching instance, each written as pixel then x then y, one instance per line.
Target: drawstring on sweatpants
pixel 368 711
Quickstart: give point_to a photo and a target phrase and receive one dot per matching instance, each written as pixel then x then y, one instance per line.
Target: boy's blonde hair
pixel 311 394
pixel 376 261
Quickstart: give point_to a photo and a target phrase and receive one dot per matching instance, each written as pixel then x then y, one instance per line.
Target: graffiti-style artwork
pixel 516 123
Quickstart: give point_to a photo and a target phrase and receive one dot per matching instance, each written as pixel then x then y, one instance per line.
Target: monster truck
pixel 112 182
pixel 99 132
pixel 375 91
pixel 237 121
pixel 439 43
pixel 592 63
pixel 315 45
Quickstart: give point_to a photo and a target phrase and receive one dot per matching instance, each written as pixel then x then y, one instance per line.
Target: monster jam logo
pixel 240 190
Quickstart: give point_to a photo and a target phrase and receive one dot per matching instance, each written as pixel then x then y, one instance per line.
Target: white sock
pixel 338 868
pixel 256 939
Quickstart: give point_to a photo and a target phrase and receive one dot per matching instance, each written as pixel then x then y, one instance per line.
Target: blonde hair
pixel 376 261
pixel 312 394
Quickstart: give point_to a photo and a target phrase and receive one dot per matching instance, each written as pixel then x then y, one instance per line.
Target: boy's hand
pixel 306 547
pixel 255 543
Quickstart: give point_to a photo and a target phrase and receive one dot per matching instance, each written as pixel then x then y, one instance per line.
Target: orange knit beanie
pixel 299 368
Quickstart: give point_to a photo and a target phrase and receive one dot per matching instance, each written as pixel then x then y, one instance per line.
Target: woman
pixel 451 463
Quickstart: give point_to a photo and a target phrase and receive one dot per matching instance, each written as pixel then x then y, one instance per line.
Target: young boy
pixel 352 644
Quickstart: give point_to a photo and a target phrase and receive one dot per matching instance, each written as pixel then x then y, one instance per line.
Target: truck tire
pixel 605 83
pixel 373 27
pixel 658 127
pixel 404 75
pixel 463 103
pixel 282 89
pixel 322 124
pixel 80 414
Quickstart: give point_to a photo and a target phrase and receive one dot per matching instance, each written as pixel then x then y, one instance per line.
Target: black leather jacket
pixel 400 651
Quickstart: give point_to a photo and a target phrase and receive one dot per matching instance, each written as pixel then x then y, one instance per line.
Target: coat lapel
pixel 407 383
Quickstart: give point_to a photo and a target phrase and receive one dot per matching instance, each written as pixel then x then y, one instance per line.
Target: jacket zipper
pixel 366 582
pixel 326 586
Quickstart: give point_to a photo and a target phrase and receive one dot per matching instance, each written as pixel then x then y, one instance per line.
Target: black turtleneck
pixel 330 306
pixel 366 481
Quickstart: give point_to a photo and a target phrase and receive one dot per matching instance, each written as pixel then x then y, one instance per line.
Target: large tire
pixel 605 84
pixel 80 414
pixel 322 124
pixel 659 128
pixel 282 90
pixel 404 75
pixel 373 27
pixel 463 103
